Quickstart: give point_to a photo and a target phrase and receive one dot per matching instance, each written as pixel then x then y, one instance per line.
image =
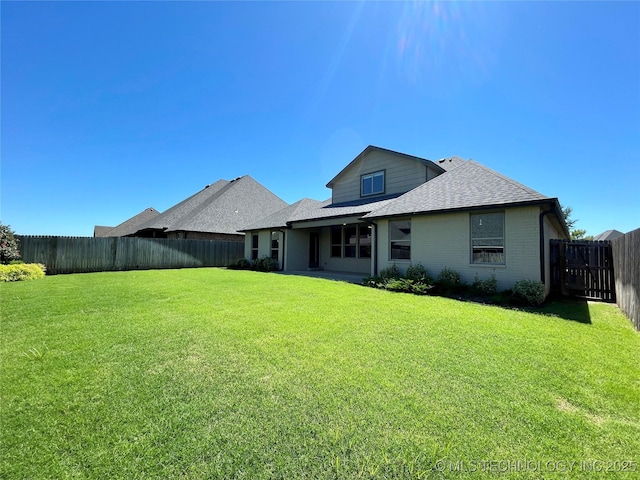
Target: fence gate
pixel 582 268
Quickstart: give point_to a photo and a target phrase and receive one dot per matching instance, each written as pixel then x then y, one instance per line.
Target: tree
pixel 575 233
pixel 8 245
pixel 578 234
pixel 566 213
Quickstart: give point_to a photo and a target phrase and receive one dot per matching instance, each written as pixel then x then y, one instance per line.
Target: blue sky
pixel 110 108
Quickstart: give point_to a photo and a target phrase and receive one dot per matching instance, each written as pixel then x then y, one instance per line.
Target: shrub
pixel 8 245
pixel 406 285
pixel 391 272
pixel 240 264
pixel 488 286
pixel 418 273
pixel 374 281
pixel 265 264
pixel 529 292
pixel 19 272
pixel 449 281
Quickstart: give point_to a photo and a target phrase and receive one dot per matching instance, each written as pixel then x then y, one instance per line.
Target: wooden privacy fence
pixel 583 268
pixel 626 260
pixel 88 254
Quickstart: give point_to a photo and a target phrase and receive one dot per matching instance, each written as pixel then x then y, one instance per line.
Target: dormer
pixel 378 173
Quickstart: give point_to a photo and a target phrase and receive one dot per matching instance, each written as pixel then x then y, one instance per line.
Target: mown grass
pixel 210 373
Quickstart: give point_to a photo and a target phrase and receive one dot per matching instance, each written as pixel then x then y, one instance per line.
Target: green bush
pixel 8 245
pixel 21 271
pixel 418 273
pixel 373 281
pixel 391 272
pixel 240 264
pixel 449 281
pixel 416 281
pixel 265 264
pixel 406 285
pixel 488 286
pixel 528 292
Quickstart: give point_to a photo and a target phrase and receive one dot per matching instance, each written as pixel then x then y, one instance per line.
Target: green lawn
pixel 208 373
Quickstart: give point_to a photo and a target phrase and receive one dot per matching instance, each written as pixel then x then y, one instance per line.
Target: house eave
pixel 472 208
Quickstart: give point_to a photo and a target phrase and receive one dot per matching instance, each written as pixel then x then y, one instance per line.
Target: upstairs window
pixel 487 238
pixel 372 183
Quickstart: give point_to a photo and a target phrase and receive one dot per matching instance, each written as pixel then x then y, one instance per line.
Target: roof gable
pixel 371 148
pixel 469 185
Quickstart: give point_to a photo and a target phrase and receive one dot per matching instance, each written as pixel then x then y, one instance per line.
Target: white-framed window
pixel 487 238
pixel 351 241
pixel 372 183
pixel 254 246
pixel 400 239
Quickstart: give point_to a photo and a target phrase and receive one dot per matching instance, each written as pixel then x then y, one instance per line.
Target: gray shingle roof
pixel 239 203
pixel 608 235
pixel 468 185
pixel 307 209
pixel 327 210
pixel 127 227
pixel 179 210
pixel 101 231
pixel 222 207
pixel 449 163
pixel 280 218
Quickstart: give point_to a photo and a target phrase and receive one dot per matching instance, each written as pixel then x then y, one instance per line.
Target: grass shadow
pixel 575 309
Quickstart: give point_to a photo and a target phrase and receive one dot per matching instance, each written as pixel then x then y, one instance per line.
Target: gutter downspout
pixel 541 228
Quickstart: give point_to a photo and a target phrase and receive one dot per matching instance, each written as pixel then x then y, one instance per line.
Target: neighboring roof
pixel 127 227
pixel 101 231
pixel 280 218
pixel 450 163
pixel 608 235
pixel 223 207
pixel 179 210
pixel 372 148
pixel 469 185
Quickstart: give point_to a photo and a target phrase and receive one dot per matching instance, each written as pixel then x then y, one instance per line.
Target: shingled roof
pixel 308 209
pixel 608 235
pixel 470 185
pixel 179 210
pixel 279 219
pixel 222 207
pixel 464 185
pixel 127 227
